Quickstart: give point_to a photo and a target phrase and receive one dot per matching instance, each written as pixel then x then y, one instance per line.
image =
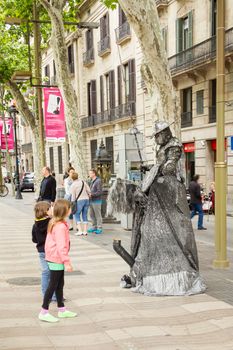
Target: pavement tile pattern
pixel 109 317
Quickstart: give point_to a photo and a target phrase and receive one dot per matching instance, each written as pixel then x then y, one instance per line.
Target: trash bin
pixel 61 192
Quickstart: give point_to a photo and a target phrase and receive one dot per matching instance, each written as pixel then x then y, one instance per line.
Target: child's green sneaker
pixel 47 317
pixel 66 314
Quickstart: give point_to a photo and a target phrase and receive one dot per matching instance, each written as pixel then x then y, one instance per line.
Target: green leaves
pixel 110 3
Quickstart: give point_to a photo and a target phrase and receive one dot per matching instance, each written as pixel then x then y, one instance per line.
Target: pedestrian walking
pixel 80 192
pixel 47 187
pixel 95 202
pixel 196 201
pixel 57 247
pixel 67 184
pixel 43 215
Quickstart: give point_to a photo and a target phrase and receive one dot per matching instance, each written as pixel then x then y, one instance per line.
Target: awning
pixel 189 147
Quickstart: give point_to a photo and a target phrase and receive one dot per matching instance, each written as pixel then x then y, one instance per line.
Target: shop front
pixel 189 152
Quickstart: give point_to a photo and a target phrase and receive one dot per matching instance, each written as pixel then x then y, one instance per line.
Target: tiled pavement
pixel 108 317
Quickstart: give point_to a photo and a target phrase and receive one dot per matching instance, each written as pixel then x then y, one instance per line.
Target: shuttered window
pixel 119 85
pixel 112 89
pixel 101 94
pixel 93 145
pixel 200 101
pixel 132 86
pixel 104 26
pixel 122 17
pixel 71 58
pixel 51 158
pixel 110 150
pixel 184 32
pixel 60 161
pixel 89 39
pixel 54 69
pixel 91 98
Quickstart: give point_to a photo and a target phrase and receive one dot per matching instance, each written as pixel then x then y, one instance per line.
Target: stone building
pixel 105 66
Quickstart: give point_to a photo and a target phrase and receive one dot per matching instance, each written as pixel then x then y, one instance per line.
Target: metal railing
pixel 123 32
pixel 119 112
pixel 104 45
pixel 212 114
pixel 161 3
pixel 197 54
pixel 26 147
pixel 88 56
pixel 186 119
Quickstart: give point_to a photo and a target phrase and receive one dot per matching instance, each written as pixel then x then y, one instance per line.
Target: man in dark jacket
pixel 196 203
pixel 47 187
pixel 95 202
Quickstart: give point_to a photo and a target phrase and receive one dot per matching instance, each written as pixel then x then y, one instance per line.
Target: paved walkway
pixel 108 317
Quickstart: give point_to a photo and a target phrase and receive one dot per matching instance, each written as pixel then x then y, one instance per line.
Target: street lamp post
pixel 13 111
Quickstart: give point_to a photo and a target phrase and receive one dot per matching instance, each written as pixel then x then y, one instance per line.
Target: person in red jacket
pixel 57 247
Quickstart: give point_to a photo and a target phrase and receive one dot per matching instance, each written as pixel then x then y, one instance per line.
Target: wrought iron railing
pixel 186 119
pixel 212 114
pixel 104 45
pixel 197 54
pixel 119 112
pixel 88 56
pixel 26 147
pixel 161 3
pixel 123 32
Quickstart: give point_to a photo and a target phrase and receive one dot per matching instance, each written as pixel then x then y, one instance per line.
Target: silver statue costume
pixel 163 244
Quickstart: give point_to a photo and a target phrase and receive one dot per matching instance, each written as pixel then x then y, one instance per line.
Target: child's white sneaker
pixel 78 233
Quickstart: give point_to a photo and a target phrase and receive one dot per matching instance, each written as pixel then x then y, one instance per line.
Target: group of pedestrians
pixel 88 197
pixel 50 232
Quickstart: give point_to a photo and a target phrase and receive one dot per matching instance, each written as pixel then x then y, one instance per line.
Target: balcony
pixel 88 57
pixel 123 33
pixel 186 119
pixel 161 4
pixel 212 114
pixel 104 47
pixel 203 52
pixel 53 81
pixel 108 116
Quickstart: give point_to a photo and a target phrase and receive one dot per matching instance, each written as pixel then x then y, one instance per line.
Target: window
pixel 110 90
pixel 54 69
pixel 186 115
pixel 110 150
pixel 101 94
pixel 212 101
pixel 126 84
pixel 200 101
pixel 71 58
pixel 93 145
pixel 184 32
pixel 122 17
pixel 104 26
pixel 51 158
pixel 89 39
pixel 213 16
pixel 91 98
pixel 60 165
pixel 47 74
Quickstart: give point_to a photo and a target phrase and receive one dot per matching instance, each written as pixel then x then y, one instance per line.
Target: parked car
pixel 28 182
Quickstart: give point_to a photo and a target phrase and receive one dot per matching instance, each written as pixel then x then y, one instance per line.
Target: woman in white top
pixel 80 192
pixel 67 184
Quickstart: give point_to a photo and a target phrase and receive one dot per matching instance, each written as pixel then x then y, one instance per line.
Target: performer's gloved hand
pixel 144 168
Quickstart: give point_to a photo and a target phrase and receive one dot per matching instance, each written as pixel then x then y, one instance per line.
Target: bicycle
pixel 3 191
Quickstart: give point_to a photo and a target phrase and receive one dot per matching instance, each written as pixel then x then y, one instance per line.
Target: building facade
pixel 105 70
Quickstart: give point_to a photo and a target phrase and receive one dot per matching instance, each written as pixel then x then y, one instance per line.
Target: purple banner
pixel 54 117
pixel 9 133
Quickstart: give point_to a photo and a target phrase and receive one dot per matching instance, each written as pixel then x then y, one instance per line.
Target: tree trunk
pixel 33 124
pixel 143 17
pixel 60 55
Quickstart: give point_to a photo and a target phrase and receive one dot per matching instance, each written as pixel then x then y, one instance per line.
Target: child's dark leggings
pixel 56 285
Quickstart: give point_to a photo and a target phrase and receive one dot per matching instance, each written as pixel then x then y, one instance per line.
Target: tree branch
pixel 22 104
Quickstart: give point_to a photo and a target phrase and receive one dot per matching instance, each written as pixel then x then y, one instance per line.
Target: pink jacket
pixel 57 244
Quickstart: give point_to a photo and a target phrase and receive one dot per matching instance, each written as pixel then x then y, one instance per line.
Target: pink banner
pixel 9 134
pixel 54 116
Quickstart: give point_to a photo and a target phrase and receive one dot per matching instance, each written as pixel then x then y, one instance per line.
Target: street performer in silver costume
pixel 163 257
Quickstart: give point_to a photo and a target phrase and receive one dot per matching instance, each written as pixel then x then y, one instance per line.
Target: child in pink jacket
pixel 57 247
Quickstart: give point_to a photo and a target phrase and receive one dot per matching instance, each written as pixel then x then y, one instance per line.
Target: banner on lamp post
pixel 7 132
pixel 54 117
